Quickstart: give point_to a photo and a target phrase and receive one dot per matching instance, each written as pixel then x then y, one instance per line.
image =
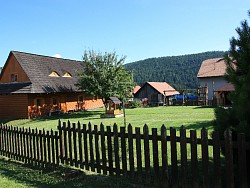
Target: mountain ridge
pixel 179 71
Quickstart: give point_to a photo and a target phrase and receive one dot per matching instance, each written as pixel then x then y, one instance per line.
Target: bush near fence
pixel 164 159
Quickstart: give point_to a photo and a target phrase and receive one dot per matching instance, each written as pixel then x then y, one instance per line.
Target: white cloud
pixel 57 56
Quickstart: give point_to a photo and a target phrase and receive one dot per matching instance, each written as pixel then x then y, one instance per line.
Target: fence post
pixel 97 152
pixel 216 158
pixel 229 158
pixel 194 162
pixel 116 147
pixel 80 144
pixel 124 153
pixel 174 167
pixel 48 136
pixel 242 160
pixel 164 156
pixel 204 147
pixel 61 141
pixel 183 145
pixel 103 148
pixel 44 148
pixel 37 147
pixel 138 153
pixel 34 147
pixel 110 153
pixel 75 145
pixel 155 155
pixel 53 161
pixel 86 153
pixel 65 143
pixel 70 144
pixel 131 151
pixel 146 153
pixel 91 148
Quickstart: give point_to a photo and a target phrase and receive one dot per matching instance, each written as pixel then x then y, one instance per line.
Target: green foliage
pixel 238 73
pixel 134 104
pixel 178 71
pixel 225 118
pixel 105 76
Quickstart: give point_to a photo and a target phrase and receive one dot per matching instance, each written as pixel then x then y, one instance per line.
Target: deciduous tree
pixel 105 76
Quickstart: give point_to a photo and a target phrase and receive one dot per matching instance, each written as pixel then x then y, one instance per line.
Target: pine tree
pixel 238 73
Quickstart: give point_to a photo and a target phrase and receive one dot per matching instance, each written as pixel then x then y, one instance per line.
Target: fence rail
pixel 157 156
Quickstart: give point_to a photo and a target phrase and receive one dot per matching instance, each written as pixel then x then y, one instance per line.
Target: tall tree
pixel 238 73
pixel 105 76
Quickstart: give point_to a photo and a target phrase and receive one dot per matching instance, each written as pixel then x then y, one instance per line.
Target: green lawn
pixel 191 117
pixel 16 175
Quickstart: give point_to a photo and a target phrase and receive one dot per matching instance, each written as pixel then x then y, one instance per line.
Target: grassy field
pixel 15 175
pixel 191 117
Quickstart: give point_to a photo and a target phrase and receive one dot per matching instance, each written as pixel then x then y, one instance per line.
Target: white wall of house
pixel 213 84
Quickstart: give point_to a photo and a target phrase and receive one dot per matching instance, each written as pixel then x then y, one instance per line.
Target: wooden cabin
pixel 156 93
pixel 35 85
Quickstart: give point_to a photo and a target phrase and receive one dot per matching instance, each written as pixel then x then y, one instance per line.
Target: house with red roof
pixel 157 93
pixel 211 77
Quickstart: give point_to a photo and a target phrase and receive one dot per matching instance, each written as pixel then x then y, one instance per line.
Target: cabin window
pixel 80 98
pixel 54 74
pixel 54 101
pixel 67 75
pixel 13 77
pixel 38 102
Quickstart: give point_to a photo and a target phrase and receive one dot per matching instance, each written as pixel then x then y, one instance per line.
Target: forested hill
pixel 178 71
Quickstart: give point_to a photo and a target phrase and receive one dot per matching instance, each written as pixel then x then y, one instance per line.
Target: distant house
pixel 34 85
pixel 157 93
pixel 212 82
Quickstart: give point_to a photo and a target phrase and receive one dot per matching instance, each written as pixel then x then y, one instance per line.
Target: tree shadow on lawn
pixel 199 125
pixel 60 177
pixel 199 107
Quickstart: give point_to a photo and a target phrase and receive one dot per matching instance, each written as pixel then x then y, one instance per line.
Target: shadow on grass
pixel 199 125
pixel 25 175
pixel 200 107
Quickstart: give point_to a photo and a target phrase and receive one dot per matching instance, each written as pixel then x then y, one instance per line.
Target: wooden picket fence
pixel 163 157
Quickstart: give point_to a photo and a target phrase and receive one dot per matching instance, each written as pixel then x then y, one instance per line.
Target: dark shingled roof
pixel 22 87
pixel 115 100
pixel 39 67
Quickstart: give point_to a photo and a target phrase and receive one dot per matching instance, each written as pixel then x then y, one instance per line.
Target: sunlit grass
pixel 191 117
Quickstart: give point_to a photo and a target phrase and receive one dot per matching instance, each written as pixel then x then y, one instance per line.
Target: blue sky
pixel 138 29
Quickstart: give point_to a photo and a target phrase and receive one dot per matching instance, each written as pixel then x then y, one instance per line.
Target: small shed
pixel 112 108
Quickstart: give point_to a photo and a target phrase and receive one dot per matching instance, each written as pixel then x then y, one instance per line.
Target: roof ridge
pixel 13 51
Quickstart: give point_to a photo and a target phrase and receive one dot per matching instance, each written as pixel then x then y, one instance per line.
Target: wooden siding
pixel 148 92
pixel 14 106
pixel 13 67
pixel 65 102
pixel 25 105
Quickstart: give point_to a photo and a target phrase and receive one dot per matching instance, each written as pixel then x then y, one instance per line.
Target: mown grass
pixel 15 175
pixel 190 117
